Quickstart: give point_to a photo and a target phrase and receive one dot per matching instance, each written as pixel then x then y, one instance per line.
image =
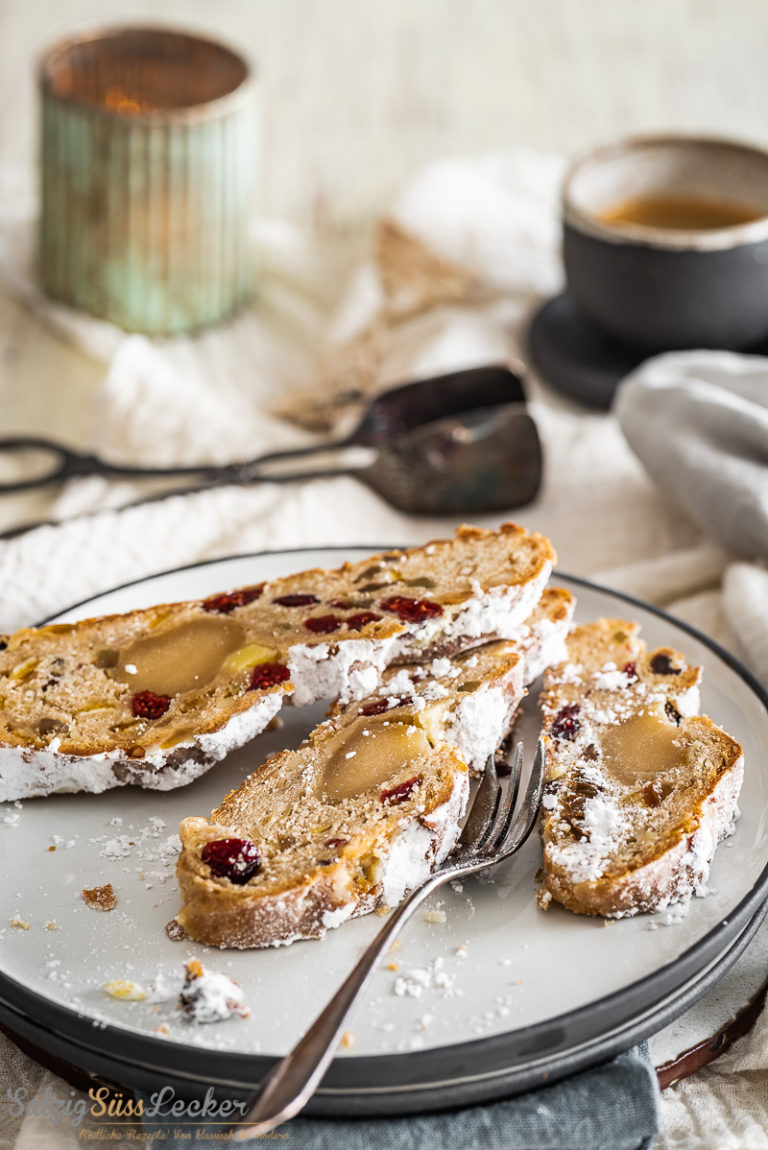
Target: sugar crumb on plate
pixel 210 996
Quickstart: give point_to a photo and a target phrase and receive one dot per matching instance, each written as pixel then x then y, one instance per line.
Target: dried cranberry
pixel 268 675
pixel 662 665
pixel 339 604
pixel 401 793
pixel 296 600
pixel 223 604
pixel 630 670
pixel 566 725
pixel 336 842
pixel 235 859
pixel 652 794
pixel 377 707
pixel 175 931
pixel 323 624
pixel 672 713
pixel 362 619
pixel 411 610
pixel 148 705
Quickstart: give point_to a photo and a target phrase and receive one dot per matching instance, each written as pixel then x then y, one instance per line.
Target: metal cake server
pixel 477 461
pixel 457 443
pixel 492 833
pixel 386 417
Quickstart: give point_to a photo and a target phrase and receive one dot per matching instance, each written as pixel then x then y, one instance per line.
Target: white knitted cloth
pixel 480 239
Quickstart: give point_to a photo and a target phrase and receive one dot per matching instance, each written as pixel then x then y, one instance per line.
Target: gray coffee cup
pixel 658 288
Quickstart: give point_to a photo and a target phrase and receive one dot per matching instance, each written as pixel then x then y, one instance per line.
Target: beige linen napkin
pixel 458 261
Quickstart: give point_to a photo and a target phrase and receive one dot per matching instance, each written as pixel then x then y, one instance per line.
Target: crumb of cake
pixel 209 996
pixel 671 915
pixel 175 930
pixel 18 922
pixel 408 986
pixel 52 847
pixel 347 1040
pixel 382 910
pixel 415 982
pixel 393 966
pixel 125 990
pixel 51 925
pixel 435 916
pixel 100 897
pixel 398 942
pixel 161 1029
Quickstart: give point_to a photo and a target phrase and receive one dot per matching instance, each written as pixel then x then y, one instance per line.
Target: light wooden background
pixel 357 92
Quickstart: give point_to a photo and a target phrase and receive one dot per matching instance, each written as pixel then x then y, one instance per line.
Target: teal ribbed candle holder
pixel 148 170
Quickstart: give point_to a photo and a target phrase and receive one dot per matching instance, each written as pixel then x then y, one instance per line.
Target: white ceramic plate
pixel 494 979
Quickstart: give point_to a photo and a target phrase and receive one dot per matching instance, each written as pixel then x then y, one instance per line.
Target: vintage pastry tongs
pixel 455 443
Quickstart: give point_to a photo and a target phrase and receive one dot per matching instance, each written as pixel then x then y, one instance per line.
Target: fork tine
pixel 506 806
pixel 518 829
pixel 482 813
pixel 516 772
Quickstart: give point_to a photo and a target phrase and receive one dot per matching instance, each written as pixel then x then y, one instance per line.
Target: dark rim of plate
pixel 85 1069
pixel 534 1047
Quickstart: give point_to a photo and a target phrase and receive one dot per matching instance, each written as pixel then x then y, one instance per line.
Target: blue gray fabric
pixel 611 1107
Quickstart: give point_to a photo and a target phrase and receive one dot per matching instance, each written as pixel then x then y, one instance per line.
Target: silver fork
pixel 491 834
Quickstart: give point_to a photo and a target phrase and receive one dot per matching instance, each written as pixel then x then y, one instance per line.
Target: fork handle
pixel 292 1082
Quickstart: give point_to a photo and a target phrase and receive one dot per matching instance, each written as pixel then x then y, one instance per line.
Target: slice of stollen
pixel 154 697
pixel 642 788
pixel 367 805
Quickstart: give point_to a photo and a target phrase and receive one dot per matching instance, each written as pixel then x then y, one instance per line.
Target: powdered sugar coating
pixel 497 613
pixel 349 670
pixel 477 721
pixel 49 771
pixel 421 844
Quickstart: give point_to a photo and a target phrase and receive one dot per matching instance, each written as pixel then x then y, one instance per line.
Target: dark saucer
pixel 575 357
